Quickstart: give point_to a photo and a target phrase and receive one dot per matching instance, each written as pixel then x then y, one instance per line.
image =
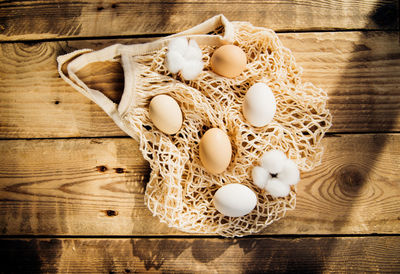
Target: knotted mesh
pixel 180 190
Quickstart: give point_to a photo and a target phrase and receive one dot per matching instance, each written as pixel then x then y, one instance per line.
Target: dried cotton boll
pixel 174 61
pixel 260 176
pixel 276 188
pixel 290 173
pixel 179 44
pixel 259 105
pixel 273 161
pixel 191 69
pixel 193 51
pixel 276 174
pixel 184 57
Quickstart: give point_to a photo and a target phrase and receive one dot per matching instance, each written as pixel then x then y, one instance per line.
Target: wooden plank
pixel 96 186
pixel 202 255
pixel 360 72
pixel 64 19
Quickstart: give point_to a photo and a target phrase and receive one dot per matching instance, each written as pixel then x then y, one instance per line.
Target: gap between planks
pixel 161 35
pixel 327 135
pixel 198 236
pixel 35 19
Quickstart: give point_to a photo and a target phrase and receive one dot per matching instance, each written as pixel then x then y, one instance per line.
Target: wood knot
pixel 101 168
pixel 111 213
pixel 119 170
pixel 350 180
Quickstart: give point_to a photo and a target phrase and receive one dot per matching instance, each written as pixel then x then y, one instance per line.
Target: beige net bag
pixel 180 190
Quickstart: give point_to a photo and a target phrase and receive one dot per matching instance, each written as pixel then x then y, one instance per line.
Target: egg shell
pixel 215 150
pixel 259 105
pixel 229 61
pixel 235 200
pixel 165 114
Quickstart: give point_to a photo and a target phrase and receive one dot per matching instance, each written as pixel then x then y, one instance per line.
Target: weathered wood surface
pixel 81 188
pixel 96 186
pixel 22 20
pixel 360 72
pixel 203 255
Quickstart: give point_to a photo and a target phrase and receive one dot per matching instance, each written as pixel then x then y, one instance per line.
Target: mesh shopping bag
pixel 180 191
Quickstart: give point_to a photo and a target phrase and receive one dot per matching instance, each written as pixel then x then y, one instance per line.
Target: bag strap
pixel 82 58
pixel 209 26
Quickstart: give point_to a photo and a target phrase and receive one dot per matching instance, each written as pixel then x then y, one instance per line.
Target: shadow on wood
pixel 26 255
pixel 153 253
pixel 352 178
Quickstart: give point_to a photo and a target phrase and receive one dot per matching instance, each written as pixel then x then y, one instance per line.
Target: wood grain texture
pixel 360 72
pixel 21 20
pixel 96 187
pixel 203 255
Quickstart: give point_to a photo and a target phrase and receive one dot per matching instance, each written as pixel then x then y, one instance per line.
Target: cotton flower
pixel 276 173
pixel 273 161
pixel 184 57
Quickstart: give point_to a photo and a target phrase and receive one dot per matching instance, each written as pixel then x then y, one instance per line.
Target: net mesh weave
pixel 180 190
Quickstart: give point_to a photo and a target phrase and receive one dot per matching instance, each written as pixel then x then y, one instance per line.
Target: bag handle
pixel 81 58
pixel 209 26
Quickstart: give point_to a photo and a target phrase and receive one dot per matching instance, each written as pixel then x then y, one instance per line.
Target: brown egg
pixel 215 151
pixel 165 114
pixel 229 61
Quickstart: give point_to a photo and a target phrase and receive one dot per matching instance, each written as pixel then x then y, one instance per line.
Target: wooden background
pixel 72 183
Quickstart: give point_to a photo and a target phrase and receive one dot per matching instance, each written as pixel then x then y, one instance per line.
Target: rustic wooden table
pixel 72 183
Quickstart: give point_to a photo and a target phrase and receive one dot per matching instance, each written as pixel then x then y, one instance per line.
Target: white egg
pixel 260 176
pixel 259 105
pixel 235 200
pixel 273 161
pixel 290 173
pixel 277 188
